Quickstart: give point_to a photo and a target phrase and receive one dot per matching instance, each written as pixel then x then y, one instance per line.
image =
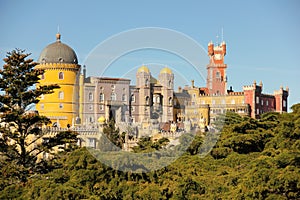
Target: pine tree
pixel 20 127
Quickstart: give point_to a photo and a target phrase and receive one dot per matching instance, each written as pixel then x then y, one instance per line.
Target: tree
pixel 20 125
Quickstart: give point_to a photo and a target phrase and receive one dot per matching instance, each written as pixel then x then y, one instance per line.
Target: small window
pixel 218 75
pixel 60 75
pixel 267 102
pixel 147 100
pixel 113 97
pixel 92 142
pixel 101 97
pixel 90 96
pixel 170 83
pixel 284 103
pixel 170 101
pixel 146 82
pixel 61 106
pixel 132 109
pixel 101 107
pixel 91 119
pixel 262 102
pixel 91 107
pixel 257 100
pixel 42 106
pixel 124 97
pixel 257 111
pixel 61 95
pixel 158 99
pixel 223 101
pixel 213 102
pixel 232 101
pixel 43 76
pixel 132 98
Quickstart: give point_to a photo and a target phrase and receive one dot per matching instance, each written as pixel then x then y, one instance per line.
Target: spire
pixel 58 37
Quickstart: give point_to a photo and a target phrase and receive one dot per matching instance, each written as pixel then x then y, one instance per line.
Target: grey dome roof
pixel 58 52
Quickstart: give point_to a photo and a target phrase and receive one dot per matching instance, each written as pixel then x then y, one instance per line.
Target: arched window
pixel 60 75
pixel 101 97
pixel 170 101
pixel 146 82
pixel 90 96
pixel 147 100
pixel 170 83
pixel 132 98
pixel 113 96
pixel 61 95
pixel 157 99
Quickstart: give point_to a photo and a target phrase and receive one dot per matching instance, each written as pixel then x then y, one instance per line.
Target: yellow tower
pixel 60 64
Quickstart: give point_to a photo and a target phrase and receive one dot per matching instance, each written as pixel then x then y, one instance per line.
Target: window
pixel 218 75
pixel 170 83
pixel 60 75
pixel 267 102
pixel 61 106
pixel 42 76
pixel 223 101
pixel 170 101
pixel 257 100
pixel 284 103
pixel 157 99
pixel 42 106
pixel 146 82
pixel 61 95
pixel 90 96
pixel 101 107
pixel 132 98
pixel 124 97
pixel 113 87
pixel 132 109
pixel 147 100
pixel 91 119
pixel 213 102
pixel 92 142
pixel 90 107
pixel 202 101
pixel 101 97
pixel 257 111
pixel 232 101
pixel 262 102
pixel 113 96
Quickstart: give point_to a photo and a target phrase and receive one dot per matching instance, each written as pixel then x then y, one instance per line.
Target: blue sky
pixel 262 36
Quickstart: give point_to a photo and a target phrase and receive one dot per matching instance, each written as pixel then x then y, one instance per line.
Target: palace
pixel 152 102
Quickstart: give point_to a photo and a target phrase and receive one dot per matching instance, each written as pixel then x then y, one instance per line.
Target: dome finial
pixel 58 37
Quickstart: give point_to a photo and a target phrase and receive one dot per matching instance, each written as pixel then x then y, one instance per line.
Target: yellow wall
pixel 69 85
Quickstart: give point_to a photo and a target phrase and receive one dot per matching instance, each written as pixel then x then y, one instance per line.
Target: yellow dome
pixel 166 70
pixel 101 119
pixel 144 69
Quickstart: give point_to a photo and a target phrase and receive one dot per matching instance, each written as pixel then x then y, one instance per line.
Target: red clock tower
pixel 216 69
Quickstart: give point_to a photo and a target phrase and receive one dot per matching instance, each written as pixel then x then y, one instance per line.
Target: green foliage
pixel 20 126
pixel 112 140
pixel 260 162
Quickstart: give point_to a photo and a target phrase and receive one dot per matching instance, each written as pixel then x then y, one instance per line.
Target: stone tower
pixel 61 67
pixel 216 69
pixel 166 79
pixel 143 80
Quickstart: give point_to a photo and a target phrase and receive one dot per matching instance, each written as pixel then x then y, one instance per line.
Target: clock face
pixel 218 56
